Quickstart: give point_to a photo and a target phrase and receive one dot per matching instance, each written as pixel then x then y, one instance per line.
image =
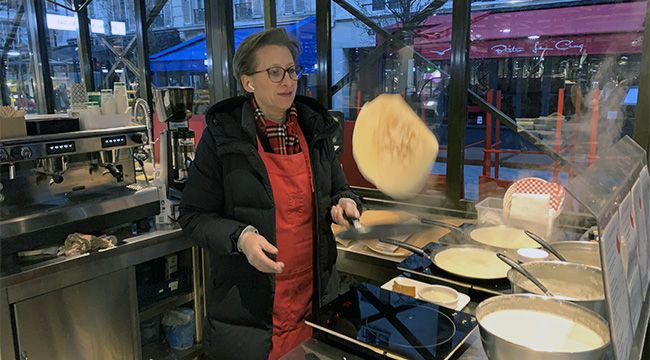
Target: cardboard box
pixel 12 127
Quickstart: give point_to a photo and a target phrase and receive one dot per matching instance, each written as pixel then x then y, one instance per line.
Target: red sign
pixel 629 43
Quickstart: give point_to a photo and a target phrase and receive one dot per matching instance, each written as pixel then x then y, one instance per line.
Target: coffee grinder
pixel 174 107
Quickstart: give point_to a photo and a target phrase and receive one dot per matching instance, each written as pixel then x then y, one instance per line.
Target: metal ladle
pixel 513 264
pixel 538 239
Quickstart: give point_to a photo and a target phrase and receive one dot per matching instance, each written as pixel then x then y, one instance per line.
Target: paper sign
pixel 632 264
pixel 644 184
pixel 616 291
pixel 642 218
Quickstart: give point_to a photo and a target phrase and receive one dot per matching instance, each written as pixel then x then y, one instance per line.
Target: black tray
pixel 375 322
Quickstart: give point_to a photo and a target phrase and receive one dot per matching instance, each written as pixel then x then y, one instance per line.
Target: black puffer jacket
pixel 228 188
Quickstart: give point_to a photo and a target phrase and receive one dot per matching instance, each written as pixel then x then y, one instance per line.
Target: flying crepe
pixel 393 148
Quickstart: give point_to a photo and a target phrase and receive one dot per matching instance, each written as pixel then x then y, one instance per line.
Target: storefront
pixel 538 112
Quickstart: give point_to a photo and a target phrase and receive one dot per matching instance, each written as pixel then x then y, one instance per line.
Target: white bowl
pixel 438 294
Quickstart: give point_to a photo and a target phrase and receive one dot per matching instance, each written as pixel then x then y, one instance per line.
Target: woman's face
pixel 273 98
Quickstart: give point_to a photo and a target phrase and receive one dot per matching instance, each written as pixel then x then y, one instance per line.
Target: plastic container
pixel 178 325
pixel 150 330
pixel 490 211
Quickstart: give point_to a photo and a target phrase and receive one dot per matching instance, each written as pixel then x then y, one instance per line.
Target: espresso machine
pixel 177 143
pixel 82 181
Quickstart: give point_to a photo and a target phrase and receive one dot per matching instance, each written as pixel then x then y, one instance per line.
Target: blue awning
pixel 631 96
pixel 191 55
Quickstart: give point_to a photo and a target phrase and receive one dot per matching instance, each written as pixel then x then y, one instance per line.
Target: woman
pixel 261 195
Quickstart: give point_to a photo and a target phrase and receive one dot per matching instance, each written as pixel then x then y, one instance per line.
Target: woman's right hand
pixel 256 248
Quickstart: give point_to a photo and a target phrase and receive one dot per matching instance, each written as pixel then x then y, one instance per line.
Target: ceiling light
pixel 505 31
pixel 533 37
pixel 13 53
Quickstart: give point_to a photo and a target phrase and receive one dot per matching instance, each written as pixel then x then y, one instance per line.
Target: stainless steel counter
pixel 152 243
pixel 63 293
pixel 471 350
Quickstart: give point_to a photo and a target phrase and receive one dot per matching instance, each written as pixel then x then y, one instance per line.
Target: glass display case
pixel 615 191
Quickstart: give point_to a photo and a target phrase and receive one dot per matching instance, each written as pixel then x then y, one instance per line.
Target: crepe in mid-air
pixel 393 147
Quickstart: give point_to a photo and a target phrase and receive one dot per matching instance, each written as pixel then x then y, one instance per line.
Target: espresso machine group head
pixel 174 107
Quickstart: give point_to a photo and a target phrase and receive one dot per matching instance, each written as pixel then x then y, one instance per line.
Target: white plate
pixel 463 299
pixel 388 249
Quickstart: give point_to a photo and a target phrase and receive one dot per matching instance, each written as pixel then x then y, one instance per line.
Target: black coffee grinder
pixel 174 107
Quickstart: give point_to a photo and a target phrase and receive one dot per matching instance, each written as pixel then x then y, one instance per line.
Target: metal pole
pixel 270 14
pixel 458 89
pixel 642 123
pixel 43 85
pixel 85 53
pixel 323 51
pixel 4 89
pixel 142 46
pixel 220 41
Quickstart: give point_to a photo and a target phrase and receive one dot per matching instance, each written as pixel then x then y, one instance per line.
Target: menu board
pixel 642 217
pixel 620 321
pixel 632 262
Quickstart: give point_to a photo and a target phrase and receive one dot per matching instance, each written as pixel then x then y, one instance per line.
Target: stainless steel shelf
pixel 160 351
pixel 164 305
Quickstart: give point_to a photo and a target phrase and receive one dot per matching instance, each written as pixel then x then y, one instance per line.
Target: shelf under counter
pixel 160 351
pixel 161 306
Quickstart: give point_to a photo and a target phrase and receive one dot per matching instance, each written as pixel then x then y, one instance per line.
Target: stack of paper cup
pixel 108 102
pixel 89 118
pixel 121 97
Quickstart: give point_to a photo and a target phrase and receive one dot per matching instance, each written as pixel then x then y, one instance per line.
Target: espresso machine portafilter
pixel 174 107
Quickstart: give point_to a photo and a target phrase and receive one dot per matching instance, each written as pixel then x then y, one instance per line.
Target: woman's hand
pixel 256 248
pixel 345 206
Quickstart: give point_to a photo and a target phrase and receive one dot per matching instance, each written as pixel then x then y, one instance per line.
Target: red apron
pixel 291 182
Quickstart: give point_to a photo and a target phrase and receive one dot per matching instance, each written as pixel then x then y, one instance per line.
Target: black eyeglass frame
pixel 297 69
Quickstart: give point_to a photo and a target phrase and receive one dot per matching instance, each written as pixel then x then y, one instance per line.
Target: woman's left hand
pixel 345 206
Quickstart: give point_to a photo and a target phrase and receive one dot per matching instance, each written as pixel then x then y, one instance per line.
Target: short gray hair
pixel 244 59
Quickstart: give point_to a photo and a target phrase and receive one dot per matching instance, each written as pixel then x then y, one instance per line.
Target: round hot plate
pixel 420 326
pixel 369 317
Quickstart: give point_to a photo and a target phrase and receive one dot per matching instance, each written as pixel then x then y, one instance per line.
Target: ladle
pixel 513 264
pixel 538 239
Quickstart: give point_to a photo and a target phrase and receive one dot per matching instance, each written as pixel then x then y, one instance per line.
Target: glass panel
pixel 364 65
pixel 248 13
pixel 566 73
pixel 111 32
pixel 298 17
pixel 16 73
pixel 62 30
pixel 178 48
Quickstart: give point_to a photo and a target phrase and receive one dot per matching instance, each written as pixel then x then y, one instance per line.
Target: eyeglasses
pixel 276 73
